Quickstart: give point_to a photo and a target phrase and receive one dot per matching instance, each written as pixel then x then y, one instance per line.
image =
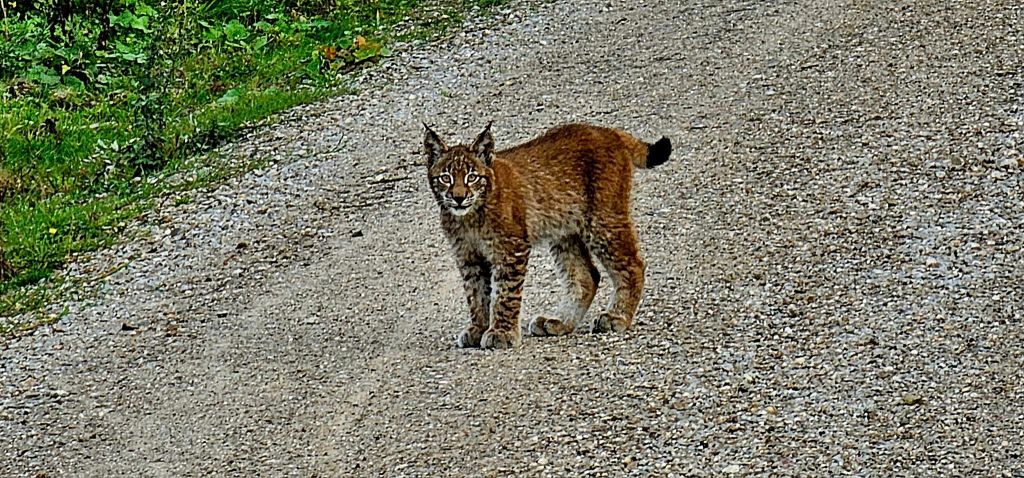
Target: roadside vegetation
pixel 104 99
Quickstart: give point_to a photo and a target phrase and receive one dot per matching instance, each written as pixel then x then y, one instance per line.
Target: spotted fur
pixel 568 188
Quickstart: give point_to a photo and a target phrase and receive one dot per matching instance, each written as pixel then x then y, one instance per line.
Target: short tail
pixel 657 154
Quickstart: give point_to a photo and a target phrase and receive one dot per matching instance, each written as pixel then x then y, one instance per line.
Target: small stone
pixel 912 399
pixel 1007 162
pixel 731 469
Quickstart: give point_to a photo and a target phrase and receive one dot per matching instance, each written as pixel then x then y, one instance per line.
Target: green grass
pixel 99 105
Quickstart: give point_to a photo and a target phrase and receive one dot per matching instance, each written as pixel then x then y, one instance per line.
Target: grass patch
pixel 104 99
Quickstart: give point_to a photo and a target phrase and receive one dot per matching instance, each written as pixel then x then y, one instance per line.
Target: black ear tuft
pixel 433 147
pixel 484 145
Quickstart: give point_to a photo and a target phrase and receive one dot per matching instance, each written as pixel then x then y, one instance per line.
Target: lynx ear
pixel 432 146
pixel 484 145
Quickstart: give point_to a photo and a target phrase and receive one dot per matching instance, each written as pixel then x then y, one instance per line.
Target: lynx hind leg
pixel 580 277
pixel 618 250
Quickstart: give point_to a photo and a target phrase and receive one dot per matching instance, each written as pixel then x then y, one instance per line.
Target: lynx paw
pixel 469 337
pixel 497 339
pixel 542 326
pixel 610 323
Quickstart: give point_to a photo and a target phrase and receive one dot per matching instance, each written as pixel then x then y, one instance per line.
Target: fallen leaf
pixel 329 52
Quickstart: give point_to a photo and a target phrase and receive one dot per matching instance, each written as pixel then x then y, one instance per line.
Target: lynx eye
pixel 445 179
pixel 471 178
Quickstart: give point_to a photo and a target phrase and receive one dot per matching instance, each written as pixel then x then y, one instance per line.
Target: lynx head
pixel 460 176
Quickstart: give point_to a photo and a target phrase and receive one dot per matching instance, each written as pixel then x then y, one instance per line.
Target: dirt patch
pixel 833 267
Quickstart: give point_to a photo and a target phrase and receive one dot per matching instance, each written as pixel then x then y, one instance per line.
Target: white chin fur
pixel 460 212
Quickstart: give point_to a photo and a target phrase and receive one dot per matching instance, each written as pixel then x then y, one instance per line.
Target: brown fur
pixel 568 188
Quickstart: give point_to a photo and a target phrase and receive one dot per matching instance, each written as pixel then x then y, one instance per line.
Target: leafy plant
pixel 101 99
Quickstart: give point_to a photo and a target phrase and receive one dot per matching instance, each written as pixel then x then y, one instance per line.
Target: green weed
pixel 102 99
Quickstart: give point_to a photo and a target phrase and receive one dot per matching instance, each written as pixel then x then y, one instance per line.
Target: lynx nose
pixel 459 199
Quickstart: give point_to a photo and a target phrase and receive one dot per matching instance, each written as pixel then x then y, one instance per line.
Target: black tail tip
pixel 659 152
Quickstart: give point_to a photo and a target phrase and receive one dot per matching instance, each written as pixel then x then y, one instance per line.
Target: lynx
pixel 568 189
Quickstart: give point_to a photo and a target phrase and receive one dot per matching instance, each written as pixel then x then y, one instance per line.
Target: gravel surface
pixel 834 267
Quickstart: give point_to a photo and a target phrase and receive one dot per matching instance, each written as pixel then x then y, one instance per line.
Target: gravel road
pixel 834 267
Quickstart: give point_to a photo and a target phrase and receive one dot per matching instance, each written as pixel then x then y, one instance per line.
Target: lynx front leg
pixel 476 278
pixel 508 277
